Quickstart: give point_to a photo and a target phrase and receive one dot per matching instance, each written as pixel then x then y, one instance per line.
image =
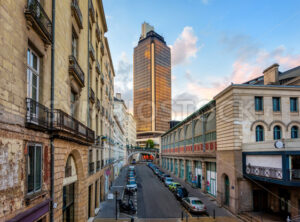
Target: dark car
pixel 181 193
pixel 164 177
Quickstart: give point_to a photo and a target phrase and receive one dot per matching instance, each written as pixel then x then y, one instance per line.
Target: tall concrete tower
pixel 152 84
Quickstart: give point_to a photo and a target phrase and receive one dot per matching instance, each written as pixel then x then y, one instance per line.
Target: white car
pixel 194 204
pixel 168 181
pixel 131 185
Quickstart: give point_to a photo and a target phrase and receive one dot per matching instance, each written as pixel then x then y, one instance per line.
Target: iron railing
pixel 76 70
pixel 77 12
pixel 37 115
pixel 102 47
pixel 36 12
pixel 62 121
pixel 102 78
pixel 268 172
pixel 92 11
pixel 92 95
pixel 98 69
pixel 91 167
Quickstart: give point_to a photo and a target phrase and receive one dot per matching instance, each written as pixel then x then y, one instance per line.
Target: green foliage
pixel 150 144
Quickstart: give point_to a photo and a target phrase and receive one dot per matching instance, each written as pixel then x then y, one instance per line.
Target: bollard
pixel 181 215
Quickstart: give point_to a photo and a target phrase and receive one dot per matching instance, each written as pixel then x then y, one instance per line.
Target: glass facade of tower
pixel 152 84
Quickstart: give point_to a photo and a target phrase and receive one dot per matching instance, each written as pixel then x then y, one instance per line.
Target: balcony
pixel 267 172
pixel 98 167
pixel 92 95
pixel 91 167
pixel 98 32
pixel 76 70
pixel 68 124
pixel 101 47
pixel 37 115
pixel 92 11
pixel 98 69
pixel 77 13
pixel 102 111
pixel 92 51
pixel 98 106
pixel 39 20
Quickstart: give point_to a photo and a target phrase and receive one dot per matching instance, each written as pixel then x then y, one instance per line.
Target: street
pixel 154 200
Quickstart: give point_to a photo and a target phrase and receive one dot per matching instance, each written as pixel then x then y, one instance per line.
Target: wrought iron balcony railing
pixel 268 172
pixel 92 51
pixel 102 78
pixel 77 13
pixel 76 70
pixel 92 95
pixel 62 121
pixel 98 165
pixel 295 174
pixel 91 167
pixel 36 15
pixel 98 69
pixel 37 115
pixel 98 32
pixel 98 105
pixel 92 10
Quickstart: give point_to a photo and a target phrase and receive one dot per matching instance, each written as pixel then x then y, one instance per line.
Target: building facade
pixel 62 106
pixel 130 130
pixel 189 149
pixel 258 144
pixel 152 84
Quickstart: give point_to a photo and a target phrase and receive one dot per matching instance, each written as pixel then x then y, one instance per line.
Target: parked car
pixel 161 175
pixel 194 204
pixel 131 185
pixel 173 186
pixel 156 171
pixel 180 193
pixel 168 181
pixel 164 177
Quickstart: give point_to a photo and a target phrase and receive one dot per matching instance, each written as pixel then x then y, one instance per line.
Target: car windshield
pixel 169 179
pixel 131 182
pixel 197 202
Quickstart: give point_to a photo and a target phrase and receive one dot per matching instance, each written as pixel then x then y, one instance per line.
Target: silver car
pixel 194 205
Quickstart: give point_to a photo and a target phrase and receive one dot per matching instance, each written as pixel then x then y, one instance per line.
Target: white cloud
pixel 184 47
pixel 205 2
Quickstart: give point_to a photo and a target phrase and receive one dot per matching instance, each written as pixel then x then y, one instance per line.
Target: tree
pixel 150 144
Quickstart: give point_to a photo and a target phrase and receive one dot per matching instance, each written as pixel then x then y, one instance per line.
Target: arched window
pixel 259 133
pixel 294 132
pixel 277 132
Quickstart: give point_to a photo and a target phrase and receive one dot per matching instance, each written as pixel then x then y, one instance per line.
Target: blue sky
pixel 214 42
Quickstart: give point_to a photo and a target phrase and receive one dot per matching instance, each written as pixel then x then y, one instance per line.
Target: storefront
pixel 188 172
pixel 211 178
pixel 181 172
pixel 176 166
pixel 198 173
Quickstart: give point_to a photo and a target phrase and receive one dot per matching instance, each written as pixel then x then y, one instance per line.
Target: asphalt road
pixel 154 200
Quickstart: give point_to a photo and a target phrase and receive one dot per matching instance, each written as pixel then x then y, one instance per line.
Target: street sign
pixel 110 196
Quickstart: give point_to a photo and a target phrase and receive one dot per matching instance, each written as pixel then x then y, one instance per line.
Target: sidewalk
pixel 108 207
pixel 208 200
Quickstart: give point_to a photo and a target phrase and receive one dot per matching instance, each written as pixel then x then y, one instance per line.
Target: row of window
pixel 259 104
pixel 277 133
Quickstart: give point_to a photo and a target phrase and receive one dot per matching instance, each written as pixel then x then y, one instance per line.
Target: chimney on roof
pixel 118 95
pixel 271 75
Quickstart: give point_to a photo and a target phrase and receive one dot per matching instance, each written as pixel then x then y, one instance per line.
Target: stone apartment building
pixel 189 149
pixel 258 156
pixel 56 114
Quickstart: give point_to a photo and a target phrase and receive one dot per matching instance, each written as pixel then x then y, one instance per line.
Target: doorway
pixel 260 200
pixel 226 182
pixel 68 202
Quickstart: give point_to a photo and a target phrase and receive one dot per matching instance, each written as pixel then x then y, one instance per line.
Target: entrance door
pixel 68 203
pixel 226 202
pixel 260 200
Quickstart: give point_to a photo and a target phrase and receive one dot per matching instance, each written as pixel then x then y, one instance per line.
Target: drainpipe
pixel 88 63
pixel 52 114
